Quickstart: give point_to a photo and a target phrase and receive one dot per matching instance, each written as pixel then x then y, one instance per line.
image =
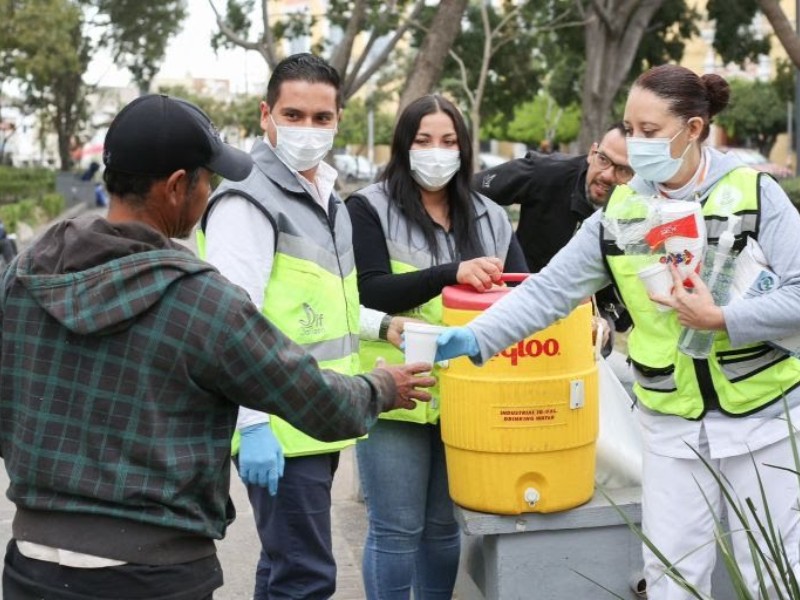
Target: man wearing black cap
pixel 123 359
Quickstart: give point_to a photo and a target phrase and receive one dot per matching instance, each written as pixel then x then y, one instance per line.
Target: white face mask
pixel 433 169
pixel 651 158
pixel 302 148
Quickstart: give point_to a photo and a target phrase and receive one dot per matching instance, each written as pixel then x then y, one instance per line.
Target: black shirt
pixel 551 192
pixel 382 290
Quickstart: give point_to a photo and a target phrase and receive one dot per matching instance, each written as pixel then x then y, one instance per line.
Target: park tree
pixel 493 63
pixel 240 114
pixel 45 46
pixel 734 38
pixel 137 33
pixel 353 126
pixel 543 119
pixel 783 29
pixel 7 52
pixel 381 24
pixel 434 49
pixel 755 116
pixel 51 55
pixel 613 37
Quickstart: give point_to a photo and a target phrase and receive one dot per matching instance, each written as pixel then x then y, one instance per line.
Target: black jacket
pixel 551 192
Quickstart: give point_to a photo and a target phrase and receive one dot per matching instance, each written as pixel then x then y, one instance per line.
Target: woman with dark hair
pixel 415 231
pixel 725 406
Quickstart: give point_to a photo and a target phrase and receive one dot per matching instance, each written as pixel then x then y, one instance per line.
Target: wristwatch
pixel 383 330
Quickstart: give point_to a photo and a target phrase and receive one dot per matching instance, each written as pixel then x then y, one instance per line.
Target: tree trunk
pixel 429 62
pixel 612 35
pixel 783 29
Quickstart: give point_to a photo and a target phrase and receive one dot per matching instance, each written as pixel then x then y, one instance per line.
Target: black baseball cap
pixel 158 135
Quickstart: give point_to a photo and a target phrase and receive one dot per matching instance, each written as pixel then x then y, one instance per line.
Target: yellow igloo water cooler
pixel 520 431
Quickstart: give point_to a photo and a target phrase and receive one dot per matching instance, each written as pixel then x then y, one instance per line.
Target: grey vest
pixel 407 244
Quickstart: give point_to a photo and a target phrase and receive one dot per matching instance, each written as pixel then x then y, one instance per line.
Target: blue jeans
pixel 294 526
pixel 413 537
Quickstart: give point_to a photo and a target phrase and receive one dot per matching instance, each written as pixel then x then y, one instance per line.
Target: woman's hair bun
pixel 718 92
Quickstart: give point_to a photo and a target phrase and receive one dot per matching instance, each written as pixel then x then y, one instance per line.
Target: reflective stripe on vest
pixel 408 252
pixel 735 381
pixel 312 293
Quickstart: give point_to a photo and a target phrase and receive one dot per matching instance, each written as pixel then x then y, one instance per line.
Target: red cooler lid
pixel 466 297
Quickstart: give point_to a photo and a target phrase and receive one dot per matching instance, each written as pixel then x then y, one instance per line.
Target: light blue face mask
pixel 651 158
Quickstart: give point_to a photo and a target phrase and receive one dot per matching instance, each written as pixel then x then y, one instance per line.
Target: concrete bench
pixel 553 556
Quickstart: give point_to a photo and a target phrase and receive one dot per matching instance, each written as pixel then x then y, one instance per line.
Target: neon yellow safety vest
pixel 408 251
pixel 735 381
pixel 312 294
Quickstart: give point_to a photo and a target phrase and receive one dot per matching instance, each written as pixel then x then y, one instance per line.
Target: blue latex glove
pixel 260 457
pixel 454 342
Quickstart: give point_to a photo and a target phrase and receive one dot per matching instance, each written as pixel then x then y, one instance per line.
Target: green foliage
pixel 52 204
pixel 28 195
pixel 734 39
pixel 353 126
pixel 562 51
pixel 137 32
pixel 13 214
pixel 237 18
pixel 373 22
pixel 538 120
pixel 768 552
pixel 16 183
pixel 513 74
pixel 45 46
pixel 665 39
pixel 784 79
pixel 755 116
pixel 51 55
pixel 792 188
pixel 241 113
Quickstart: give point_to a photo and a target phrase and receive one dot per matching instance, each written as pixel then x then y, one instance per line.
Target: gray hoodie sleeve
pixel 777 314
pixel 574 274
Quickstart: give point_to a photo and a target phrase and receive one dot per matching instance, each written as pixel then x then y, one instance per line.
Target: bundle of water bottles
pixel 673 232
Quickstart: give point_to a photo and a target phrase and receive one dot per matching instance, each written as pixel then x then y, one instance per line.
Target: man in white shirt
pixel 285 237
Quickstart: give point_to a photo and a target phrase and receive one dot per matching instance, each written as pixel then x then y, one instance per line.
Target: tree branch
pixel 229 33
pixel 381 58
pixel 268 41
pixel 464 81
pixel 340 57
pixel 601 12
pixel 783 29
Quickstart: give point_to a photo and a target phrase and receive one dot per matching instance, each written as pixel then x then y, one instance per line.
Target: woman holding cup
pixel 417 230
pixel 727 408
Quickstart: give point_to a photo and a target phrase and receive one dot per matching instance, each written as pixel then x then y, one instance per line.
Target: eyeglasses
pixel 622 173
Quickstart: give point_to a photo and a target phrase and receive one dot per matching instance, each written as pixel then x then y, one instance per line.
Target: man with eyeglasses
pixel 556 192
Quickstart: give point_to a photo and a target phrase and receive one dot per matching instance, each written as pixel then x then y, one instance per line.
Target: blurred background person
pixel 556 193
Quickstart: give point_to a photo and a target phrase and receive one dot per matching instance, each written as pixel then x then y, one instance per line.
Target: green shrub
pixel 9 214
pixel 53 205
pixel 31 211
pixel 16 183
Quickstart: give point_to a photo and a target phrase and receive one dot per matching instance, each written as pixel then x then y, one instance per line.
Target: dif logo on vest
pixel 313 324
pixel 530 349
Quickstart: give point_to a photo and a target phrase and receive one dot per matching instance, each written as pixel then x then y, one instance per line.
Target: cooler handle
pixel 514 277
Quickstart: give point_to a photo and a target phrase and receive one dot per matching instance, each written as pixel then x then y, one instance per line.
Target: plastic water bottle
pixel 718 269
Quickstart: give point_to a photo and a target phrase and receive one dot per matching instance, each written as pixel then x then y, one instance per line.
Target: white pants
pixel 679 522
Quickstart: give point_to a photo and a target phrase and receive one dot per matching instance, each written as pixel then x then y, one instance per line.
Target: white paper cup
pixel 658 281
pixel 685 253
pixel 420 342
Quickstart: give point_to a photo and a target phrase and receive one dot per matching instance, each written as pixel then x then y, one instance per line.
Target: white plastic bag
pixel 619 443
